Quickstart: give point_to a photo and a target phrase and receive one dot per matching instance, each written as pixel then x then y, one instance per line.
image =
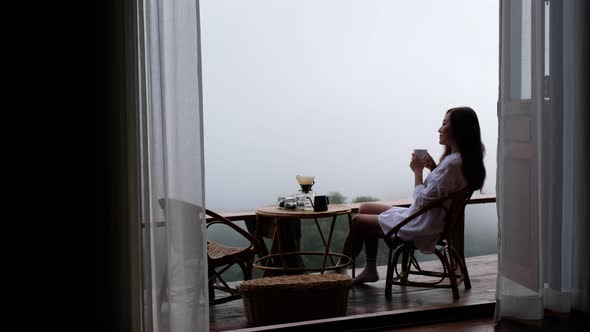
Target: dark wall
pixel 61 130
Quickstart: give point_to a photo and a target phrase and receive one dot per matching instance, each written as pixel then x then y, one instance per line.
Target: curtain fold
pixel 542 201
pixel 172 166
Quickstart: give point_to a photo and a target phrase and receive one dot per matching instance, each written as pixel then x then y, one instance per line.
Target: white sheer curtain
pixel 171 138
pixel 542 198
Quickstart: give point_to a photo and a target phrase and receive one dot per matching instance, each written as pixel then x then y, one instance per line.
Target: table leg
pixel 257 234
pixel 323 238
pixel 328 245
pixel 273 248
pixel 278 237
pixel 255 228
pixel 349 230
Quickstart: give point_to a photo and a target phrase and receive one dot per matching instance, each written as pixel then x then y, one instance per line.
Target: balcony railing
pixel 404 202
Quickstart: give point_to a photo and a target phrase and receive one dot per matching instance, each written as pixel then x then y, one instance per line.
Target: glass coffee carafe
pixel 306 195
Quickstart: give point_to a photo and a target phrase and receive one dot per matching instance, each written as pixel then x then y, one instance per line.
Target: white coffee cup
pixel 420 153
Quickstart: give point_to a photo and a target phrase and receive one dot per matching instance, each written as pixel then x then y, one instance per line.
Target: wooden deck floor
pixel 368 301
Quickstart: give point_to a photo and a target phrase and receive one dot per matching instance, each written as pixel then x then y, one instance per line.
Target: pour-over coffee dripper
pixel 306 182
pixel 307 195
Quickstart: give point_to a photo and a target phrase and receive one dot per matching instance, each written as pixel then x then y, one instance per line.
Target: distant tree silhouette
pixel 361 199
pixel 336 197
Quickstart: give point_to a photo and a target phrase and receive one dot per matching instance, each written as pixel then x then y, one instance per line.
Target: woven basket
pixel 295 298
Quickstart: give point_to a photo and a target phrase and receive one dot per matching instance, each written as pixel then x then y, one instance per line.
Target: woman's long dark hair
pixel 465 129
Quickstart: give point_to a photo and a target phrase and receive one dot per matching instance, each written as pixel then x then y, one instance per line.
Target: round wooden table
pixel 275 214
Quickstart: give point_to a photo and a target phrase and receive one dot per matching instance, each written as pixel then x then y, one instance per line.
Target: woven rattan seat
pixel 217 250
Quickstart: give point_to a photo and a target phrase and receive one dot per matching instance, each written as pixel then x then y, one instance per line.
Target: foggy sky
pixel 343 90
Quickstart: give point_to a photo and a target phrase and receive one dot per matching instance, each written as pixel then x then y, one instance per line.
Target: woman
pixel 461 165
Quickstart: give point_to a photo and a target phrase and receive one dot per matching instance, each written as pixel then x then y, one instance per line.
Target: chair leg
pixel 211 288
pixel 454 287
pixel 389 278
pixel 406 265
pixel 466 280
pixel 460 259
pixel 246 271
pixel 450 273
pixel 216 282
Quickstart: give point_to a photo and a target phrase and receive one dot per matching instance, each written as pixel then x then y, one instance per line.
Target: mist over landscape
pixel 342 90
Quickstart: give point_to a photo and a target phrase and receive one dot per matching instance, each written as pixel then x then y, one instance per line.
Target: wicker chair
pixel 449 250
pixel 221 257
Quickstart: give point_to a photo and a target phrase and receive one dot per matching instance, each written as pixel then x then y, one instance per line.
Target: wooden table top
pixel 275 211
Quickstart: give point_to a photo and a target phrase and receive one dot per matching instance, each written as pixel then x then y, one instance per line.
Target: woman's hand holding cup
pixel 421 153
pixel 417 162
pixel 423 158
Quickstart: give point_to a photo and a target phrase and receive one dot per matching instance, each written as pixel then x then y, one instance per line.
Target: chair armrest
pixel 415 214
pixel 438 203
pixel 218 219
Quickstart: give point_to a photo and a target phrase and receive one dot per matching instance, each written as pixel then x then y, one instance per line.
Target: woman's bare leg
pixel 373 208
pixel 366 229
pixel 368 217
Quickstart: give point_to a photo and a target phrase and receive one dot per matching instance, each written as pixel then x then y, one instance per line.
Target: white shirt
pixel 425 229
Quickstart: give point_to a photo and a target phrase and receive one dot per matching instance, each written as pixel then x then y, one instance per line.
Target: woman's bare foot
pixel 366 276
